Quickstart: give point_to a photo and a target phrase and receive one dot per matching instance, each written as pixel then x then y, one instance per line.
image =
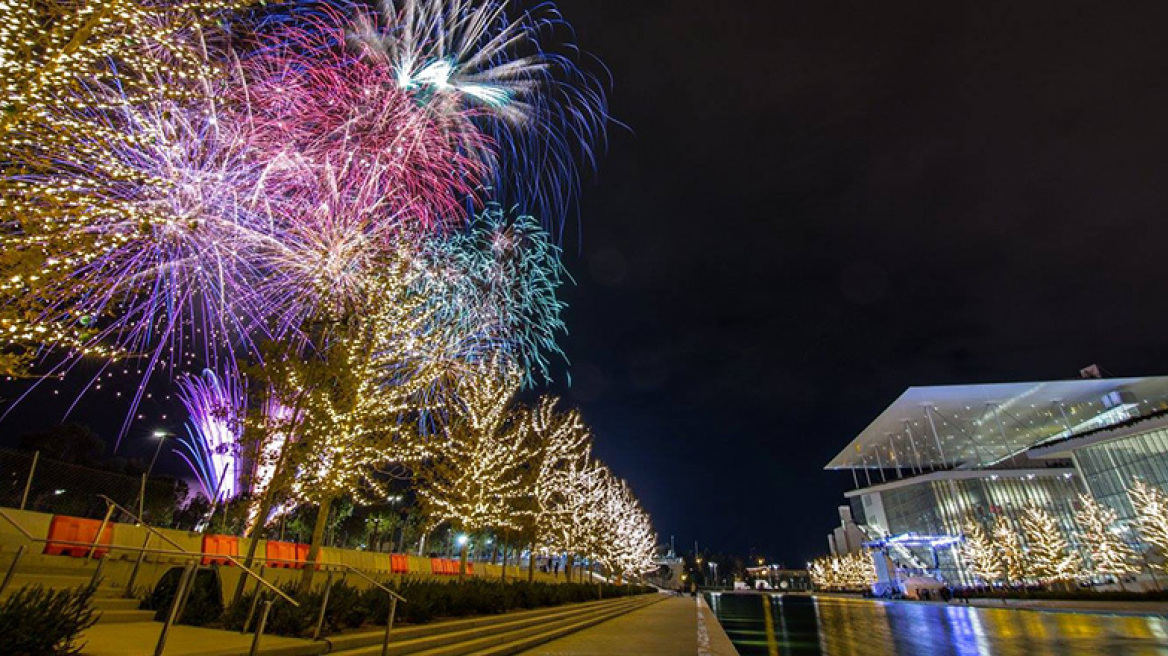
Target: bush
pixel 40 621
pixel 428 599
pixel 204 604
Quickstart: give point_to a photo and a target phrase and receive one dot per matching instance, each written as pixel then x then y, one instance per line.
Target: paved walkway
pixel 678 626
pixel 130 639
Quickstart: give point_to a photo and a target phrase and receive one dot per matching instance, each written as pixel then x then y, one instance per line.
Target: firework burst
pixel 516 73
pixel 496 284
pixel 216 408
pixel 318 106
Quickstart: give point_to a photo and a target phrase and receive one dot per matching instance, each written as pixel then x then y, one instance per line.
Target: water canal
pixel 830 626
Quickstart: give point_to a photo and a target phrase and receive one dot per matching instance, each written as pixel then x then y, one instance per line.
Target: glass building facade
pixel 988 452
pixel 1109 467
pixel 940 505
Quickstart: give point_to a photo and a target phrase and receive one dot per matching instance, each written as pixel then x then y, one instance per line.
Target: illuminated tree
pixel 818 571
pixel 555 440
pixel 571 527
pixel 473 475
pixel 70 70
pixel 623 541
pixel 1050 557
pixel 1151 507
pixel 1009 547
pixel 981 555
pixel 852 571
pixel 1110 555
pixel 348 413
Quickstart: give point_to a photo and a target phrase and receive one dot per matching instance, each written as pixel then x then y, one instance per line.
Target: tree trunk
pixel 254 535
pixel 462 558
pixel 503 577
pixel 568 562
pixel 322 515
pixel 531 564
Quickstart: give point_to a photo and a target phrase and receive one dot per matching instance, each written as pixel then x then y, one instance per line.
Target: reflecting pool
pixel 846 627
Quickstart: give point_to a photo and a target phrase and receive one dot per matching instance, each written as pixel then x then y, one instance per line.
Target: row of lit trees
pixel 504 467
pixel 848 572
pixel 309 208
pixel 1036 549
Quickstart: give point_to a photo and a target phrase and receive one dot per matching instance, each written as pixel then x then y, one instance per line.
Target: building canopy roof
pixel 967 426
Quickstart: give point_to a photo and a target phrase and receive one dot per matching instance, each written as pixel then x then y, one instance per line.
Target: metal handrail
pixel 185 583
pixel 18 526
pixel 114 504
pixel 200 554
pixel 350 568
pixel 393 599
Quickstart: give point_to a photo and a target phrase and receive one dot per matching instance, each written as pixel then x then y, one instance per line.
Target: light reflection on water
pixel 860 627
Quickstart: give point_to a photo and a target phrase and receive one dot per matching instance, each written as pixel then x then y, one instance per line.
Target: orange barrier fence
pixel 399 563
pixel 75 529
pixel 286 554
pixel 219 545
pixel 73 536
pixel 448 566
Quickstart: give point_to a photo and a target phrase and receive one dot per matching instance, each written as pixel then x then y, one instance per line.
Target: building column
pixel 912 440
pixel 936 436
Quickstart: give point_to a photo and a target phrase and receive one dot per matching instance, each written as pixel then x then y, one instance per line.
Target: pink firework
pixel 318 105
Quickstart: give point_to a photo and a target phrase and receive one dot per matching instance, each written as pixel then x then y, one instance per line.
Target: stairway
pixel 495 635
pixel 61 573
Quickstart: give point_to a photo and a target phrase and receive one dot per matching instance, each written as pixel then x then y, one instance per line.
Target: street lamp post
pixel 161 436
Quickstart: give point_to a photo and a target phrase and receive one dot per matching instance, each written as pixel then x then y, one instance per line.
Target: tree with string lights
pixel 1050 557
pixel 1109 554
pixel 1009 546
pixel 571 526
pixel 618 519
pixel 1151 507
pixel 555 439
pixel 981 554
pixel 473 473
pixel 850 571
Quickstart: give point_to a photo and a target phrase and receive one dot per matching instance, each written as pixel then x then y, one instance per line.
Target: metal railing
pixel 186 581
pixel 393 599
pixel 190 567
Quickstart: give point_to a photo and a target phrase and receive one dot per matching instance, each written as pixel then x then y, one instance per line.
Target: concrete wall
pixel 120 561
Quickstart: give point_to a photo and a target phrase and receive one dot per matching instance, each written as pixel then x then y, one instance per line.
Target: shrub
pixel 204 604
pixel 40 621
pixel 428 599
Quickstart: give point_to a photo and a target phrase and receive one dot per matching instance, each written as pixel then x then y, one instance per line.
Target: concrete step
pixel 135 638
pixel 365 638
pixel 58 582
pixel 124 616
pixel 115 603
pixel 447 640
pixel 525 642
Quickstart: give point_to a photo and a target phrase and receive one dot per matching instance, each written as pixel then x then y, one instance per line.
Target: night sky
pixel 818 204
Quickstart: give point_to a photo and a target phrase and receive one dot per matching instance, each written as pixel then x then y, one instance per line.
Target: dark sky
pixel 822 203
pixel 818 204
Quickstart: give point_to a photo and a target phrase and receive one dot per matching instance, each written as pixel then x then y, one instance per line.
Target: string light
pixel 1151 510
pixel 1109 554
pixel 1050 557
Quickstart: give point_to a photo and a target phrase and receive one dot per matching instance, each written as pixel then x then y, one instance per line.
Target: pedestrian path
pixel 135 639
pixel 679 626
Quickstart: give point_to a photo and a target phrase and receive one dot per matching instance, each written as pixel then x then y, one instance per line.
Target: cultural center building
pixel 939 456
